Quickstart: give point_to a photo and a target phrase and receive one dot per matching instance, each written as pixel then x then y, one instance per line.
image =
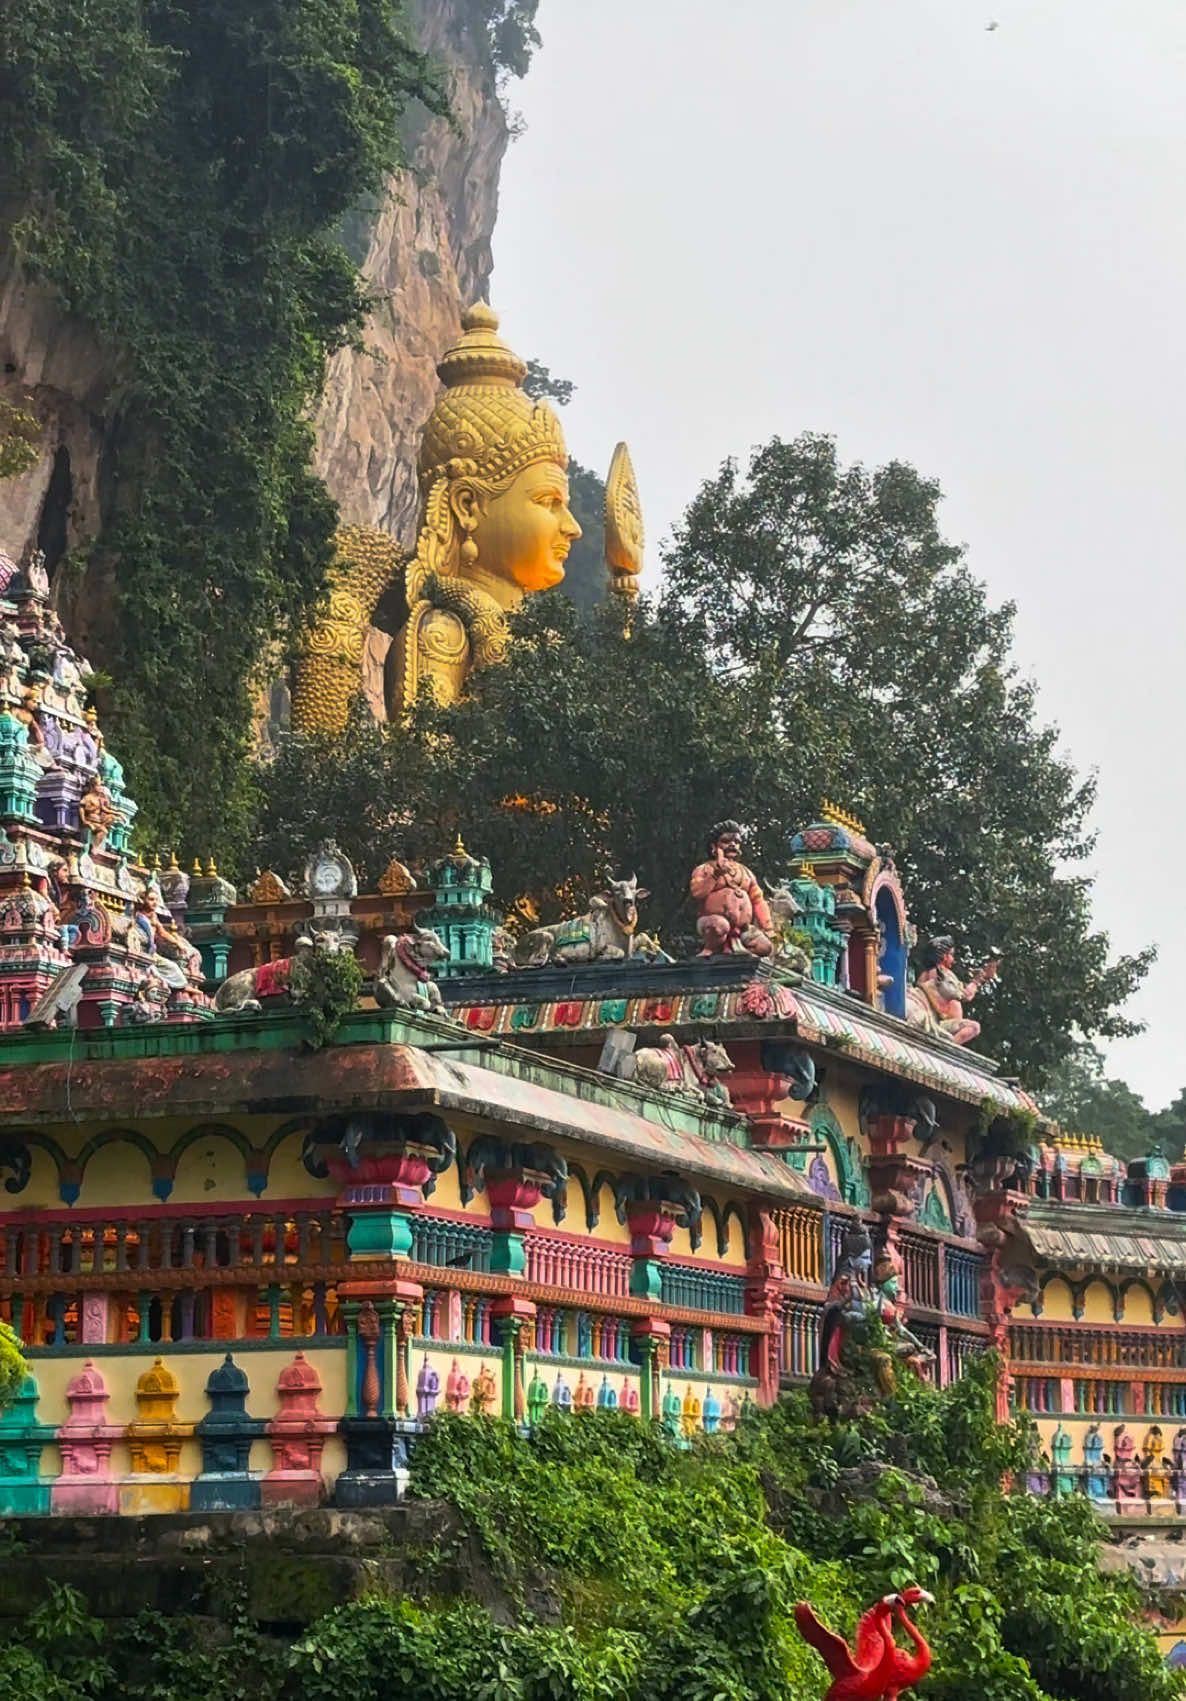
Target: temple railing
pixel 800 1338
pixel 152 1316
pixel 557 1263
pixel 962 1272
pixel 800 1244
pixel 33 1256
pixel 1077 1344
pixel 702 1290
pixel 920 1271
pixel 439 1241
pixel 961 1349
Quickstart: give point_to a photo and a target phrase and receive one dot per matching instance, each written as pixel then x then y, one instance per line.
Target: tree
pixel 13 1368
pixel 830 596
pixel 816 637
pixel 1083 1100
pixel 174 173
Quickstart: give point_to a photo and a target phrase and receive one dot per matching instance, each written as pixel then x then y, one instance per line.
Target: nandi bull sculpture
pixel 405 979
pixel 240 993
pixel 605 933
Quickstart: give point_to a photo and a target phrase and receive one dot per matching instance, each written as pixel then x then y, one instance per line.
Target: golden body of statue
pixel 495 525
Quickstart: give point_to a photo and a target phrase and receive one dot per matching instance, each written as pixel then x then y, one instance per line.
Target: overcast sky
pixel 960 246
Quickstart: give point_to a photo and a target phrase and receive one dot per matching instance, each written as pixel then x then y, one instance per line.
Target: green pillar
pixel 379 1234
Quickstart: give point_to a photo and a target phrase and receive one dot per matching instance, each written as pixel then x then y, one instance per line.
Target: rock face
pixel 424 255
pixel 424 258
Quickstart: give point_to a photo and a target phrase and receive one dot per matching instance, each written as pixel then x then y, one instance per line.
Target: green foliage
pixel 816 637
pixel 672 1574
pixel 510 33
pixel 178 169
pixel 13 1368
pixel 20 433
pixel 1084 1101
pixel 325 986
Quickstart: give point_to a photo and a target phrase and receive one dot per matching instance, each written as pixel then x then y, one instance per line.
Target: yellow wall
pixel 1098 1304
pixel 261 1365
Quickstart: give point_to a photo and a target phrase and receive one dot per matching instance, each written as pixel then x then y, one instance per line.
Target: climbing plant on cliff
pixel 174 171
pixel 623 1567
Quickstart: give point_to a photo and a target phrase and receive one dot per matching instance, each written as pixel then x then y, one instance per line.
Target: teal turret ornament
pixel 462 915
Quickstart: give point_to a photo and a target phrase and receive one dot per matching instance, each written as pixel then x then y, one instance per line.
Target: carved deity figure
pixel 428 1388
pixel 482 1398
pixel 495 525
pixel 847 1307
pixel 671 1413
pixel 1127 1471
pixel 456 1388
pixel 96 814
pixel 1179 1457
pixel 904 1348
pixel 1060 1454
pixel 734 914
pixel 537 1398
pixel 935 1002
pixel 1095 1464
pixel 1157 1476
pixel 163 938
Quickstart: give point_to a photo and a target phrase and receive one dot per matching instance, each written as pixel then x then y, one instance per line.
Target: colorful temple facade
pixel 565 1171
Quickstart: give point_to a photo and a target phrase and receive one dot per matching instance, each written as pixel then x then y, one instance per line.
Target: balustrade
pixel 436 1240
pixel 174 1315
pixel 120 1246
pixel 1136 1349
pixel 960 1350
pixel 962 1271
pixel 556 1263
pixel 800 1244
pixel 920 1271
pixel 702 1290
pixel 800 1337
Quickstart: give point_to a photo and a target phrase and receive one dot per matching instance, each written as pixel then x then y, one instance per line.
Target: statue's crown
pixel 483 415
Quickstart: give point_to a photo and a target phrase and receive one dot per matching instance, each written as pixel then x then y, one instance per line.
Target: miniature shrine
pixel 560 1171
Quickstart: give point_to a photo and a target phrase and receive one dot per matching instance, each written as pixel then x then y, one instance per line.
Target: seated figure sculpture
pixel 936 1002
pixel 495 525
pixel 734 914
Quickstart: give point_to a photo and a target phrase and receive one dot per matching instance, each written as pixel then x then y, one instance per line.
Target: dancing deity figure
pixel 495 525
pixel 734 914
pixel 935 1002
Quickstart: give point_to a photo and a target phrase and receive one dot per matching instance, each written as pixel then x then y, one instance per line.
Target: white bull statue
pixel 605 933
pixel 405 979
pixel 692 1070
pixel 240 993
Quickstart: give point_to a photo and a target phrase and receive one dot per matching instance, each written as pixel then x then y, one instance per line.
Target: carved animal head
pixel 624 897
pixel 420 943
pixel 784 906
pixel 713 1058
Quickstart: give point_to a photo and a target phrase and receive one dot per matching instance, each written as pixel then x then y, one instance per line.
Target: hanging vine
pixel 175 172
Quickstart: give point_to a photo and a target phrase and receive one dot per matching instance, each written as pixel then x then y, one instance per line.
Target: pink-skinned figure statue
pixel 935 1003
pixel 734 914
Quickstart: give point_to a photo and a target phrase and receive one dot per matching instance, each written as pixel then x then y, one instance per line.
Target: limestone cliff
pixel 424 253
pixel 424 256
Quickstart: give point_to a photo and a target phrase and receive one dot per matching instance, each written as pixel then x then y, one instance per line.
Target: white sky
pixel 958 246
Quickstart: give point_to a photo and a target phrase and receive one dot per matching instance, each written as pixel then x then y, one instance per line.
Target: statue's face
pixel 527 530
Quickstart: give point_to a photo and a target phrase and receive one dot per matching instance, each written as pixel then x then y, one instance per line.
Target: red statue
pixel 734 915
pixel 878 1669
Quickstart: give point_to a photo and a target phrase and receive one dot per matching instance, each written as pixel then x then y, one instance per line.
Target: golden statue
pixel 495 524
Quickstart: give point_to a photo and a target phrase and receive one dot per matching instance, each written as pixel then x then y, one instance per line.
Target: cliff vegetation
pixel 175 174
pixel 631 1570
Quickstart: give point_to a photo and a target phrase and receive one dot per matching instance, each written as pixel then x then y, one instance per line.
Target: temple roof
pixel 729 994
pixel 1106 1237
pixel 448 1070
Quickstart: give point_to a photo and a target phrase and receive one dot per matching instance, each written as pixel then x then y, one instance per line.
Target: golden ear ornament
pixel 624 532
